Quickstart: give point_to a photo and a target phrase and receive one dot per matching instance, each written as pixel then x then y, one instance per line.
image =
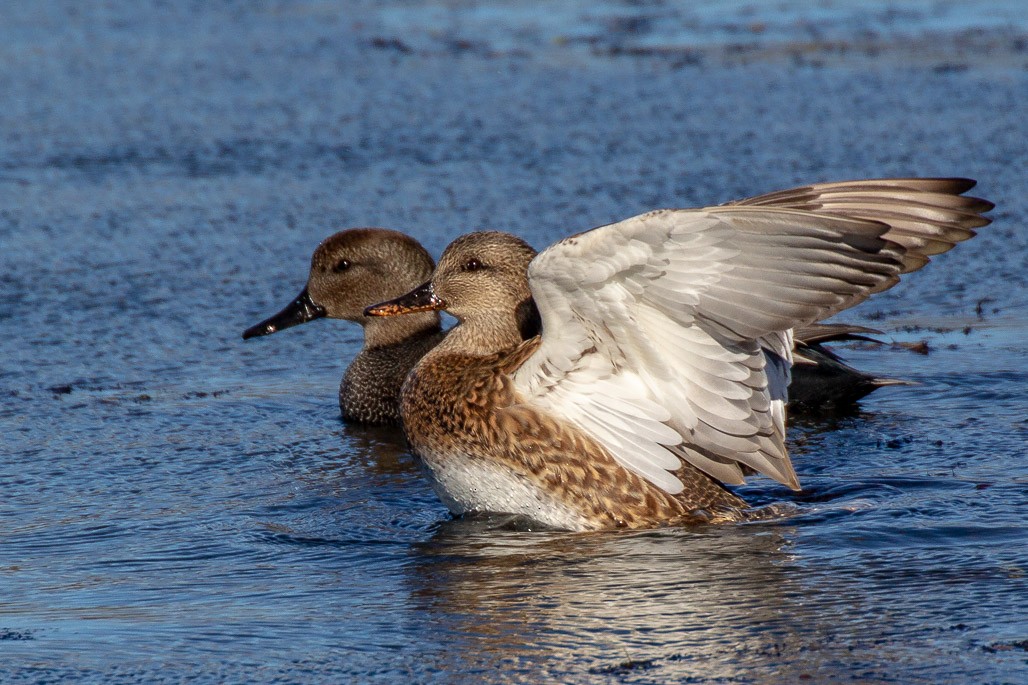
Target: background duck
pixel 662 370
pixel 350 270
pixel 822 382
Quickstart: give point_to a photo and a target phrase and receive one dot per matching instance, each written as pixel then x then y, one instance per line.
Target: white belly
pixel 466 485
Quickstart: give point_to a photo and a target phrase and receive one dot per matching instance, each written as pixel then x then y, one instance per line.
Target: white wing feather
pixel 667 336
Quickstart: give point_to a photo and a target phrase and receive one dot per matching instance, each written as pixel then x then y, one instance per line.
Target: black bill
pixel 301 310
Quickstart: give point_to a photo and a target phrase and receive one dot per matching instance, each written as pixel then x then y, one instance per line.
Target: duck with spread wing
pixel 661 373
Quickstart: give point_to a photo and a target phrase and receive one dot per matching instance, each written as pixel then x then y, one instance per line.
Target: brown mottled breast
pixel 370 390
pixel 462 407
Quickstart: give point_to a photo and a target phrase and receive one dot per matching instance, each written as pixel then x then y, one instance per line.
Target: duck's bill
pixel 301 310
pixel 421 299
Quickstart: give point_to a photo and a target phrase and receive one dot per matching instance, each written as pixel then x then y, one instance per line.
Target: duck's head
pixel 350 270
pixel 480 276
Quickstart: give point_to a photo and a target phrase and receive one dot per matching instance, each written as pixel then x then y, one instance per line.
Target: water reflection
pixel 380 450
pixel 676 600
pixel 710 604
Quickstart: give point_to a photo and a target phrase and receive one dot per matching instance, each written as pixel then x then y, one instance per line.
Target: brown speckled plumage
pixel 466 405
pixel 370 387
pixel 459 404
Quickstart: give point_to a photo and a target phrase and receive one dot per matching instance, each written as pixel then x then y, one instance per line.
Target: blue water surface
pixel 180 506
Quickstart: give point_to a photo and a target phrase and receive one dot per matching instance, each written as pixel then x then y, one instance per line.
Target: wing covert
pixel 655 330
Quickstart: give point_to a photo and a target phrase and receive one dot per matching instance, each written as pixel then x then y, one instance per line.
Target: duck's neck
pixel 385 331
pixel 481 336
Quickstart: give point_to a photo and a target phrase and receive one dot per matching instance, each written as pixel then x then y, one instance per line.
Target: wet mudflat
pixel 180 505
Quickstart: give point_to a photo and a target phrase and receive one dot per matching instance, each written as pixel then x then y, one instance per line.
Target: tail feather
pixel 822 380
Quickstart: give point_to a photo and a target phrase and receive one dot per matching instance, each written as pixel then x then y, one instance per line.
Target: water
pixel 180 505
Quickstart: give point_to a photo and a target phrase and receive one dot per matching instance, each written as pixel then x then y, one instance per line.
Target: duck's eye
pixel 341 266
pixel 471 265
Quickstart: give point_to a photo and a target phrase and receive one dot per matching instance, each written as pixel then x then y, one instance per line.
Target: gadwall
pixel 662 369
pixel 350 270
pixel 822 382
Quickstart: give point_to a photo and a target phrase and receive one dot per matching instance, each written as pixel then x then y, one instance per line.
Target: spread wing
pixel 927 216
pixel 654 330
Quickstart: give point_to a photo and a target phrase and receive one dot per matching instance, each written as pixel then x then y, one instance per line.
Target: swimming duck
pixel 350 270
pixel 661 373
pixel 822 382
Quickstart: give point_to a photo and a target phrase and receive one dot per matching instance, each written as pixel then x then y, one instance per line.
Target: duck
pixel 822 383
pixel 660 375
pixel 350 270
